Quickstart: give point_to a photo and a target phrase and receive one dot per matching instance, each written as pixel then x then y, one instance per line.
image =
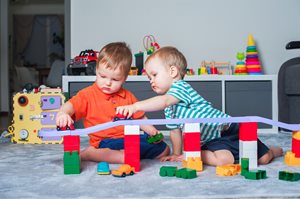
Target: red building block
pixel 248 131
pixel 72 143
pixel 132 151
pixel 191 141
pixel 296 147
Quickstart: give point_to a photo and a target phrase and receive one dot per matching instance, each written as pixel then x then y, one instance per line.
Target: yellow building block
pixel 193 163
pixel 296 135
pixel 291 160
pixel 228 170
pixel 32 112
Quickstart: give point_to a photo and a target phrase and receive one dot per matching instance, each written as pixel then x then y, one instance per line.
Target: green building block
pixel 169 171
pixel 256 175
pixel 244 166
pixel 289 176
pixel 186 173
pixel 71 162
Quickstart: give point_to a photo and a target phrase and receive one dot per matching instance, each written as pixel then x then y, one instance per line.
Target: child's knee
pixel 223 160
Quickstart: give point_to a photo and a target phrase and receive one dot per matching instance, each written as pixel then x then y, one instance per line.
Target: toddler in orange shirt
pixel 97 104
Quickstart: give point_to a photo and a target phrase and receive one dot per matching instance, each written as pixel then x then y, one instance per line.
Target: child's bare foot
pixel 277 151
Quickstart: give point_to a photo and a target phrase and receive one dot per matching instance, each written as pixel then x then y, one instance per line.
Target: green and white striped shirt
pixel 192 105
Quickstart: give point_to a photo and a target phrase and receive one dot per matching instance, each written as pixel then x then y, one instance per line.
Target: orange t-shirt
pixel 96 107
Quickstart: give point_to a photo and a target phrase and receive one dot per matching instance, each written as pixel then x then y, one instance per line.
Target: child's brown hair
pixel 171 56
pixel 116 55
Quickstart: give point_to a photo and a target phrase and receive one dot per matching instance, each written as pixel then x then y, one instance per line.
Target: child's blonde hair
pixel 170 56
pixel 116 55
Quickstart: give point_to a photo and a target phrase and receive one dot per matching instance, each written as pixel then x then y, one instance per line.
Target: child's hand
pixel 127 111
pixel 63 119
pixel 172 158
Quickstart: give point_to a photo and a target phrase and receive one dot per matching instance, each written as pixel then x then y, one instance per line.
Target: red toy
pixel 66 128
pixel 84 62
pixel 120 117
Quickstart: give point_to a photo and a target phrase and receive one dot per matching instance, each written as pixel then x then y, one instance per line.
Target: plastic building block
pixel 248 131
pixel 244 166
pixel 193 163
pixel 186 173
pixel 248 149
pixel 192 141
pixel 155 139
pixel 71 162
pixel 228 170
pixel 289 176
pixel 132 151
pixel 291 160
pixel 169 171
pixel 123 170
pixel 103 168
pixel 256 175
pixel 72 143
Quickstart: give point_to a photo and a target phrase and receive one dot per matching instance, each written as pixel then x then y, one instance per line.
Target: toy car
pixel 65 128
pixel 123 170
pixel 103 168
pixel 85 62
pixel 155 139
pixel 120 117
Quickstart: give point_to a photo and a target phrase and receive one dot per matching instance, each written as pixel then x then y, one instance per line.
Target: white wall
pixel 202 30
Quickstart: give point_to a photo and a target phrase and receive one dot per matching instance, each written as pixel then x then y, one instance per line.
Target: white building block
pixel 131 130
pixel 191 127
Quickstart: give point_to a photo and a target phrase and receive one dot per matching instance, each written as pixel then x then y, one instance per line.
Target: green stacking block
pixel 289 176
pixel 186 173
pixel 71 162
pixel 169 171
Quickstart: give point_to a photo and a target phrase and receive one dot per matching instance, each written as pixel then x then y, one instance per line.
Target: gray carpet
pixel 36 171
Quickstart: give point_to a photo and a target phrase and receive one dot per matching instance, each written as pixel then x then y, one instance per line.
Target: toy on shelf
pixel 150 45
pixel 103 168
pixel 190 71
pixel 215 68
pixel 85 63
pixel 133 70
pixel 252 61
pixel 34 111
pixel 240 68
pixel 123 170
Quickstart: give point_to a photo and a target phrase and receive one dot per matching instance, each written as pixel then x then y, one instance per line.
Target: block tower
pixel 132 146
pixel 71 154
pixel 248 143
pixel 252 60
pixel 192 147
pixel 292 158
pixel 240 68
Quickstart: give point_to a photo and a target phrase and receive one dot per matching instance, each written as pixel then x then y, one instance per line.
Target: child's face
pixel 159 76
pixel 108 80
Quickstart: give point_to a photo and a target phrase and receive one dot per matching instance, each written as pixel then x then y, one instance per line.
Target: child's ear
pixel 174 71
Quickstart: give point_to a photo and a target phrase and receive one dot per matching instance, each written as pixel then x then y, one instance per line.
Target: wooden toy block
pixel 169 171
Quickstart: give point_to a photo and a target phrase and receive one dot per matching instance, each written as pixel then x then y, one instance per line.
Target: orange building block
pixel 193 163
pixel 291 160
pixel 228 170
